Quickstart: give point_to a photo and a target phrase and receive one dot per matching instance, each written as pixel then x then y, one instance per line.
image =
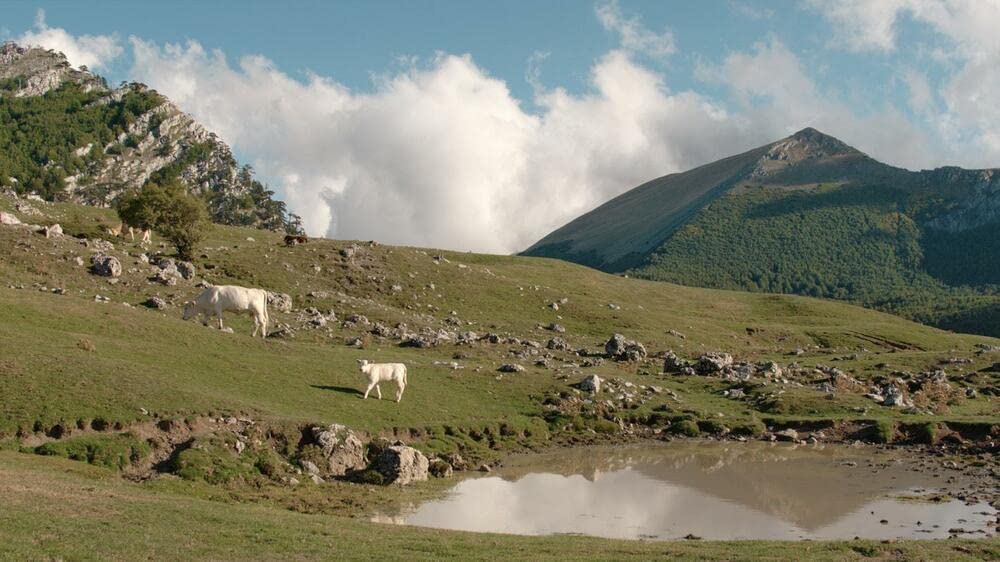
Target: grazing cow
pixel 295 239
pixel 119 231
pixel 230 298
pixel 384 372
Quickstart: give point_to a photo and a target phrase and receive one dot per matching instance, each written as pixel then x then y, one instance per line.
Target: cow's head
pixel 190 310
pixel 362 363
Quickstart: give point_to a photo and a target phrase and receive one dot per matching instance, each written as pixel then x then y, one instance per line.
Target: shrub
pixel 170 210
pixel 685 427
pixel 884 431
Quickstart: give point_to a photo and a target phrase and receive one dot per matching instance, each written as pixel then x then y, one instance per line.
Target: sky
pixel 483 126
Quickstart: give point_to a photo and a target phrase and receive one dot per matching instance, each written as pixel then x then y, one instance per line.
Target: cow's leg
pixel 369 389
pixel 399 392
pixel 256 327
pixel 219 314
pixel 378 389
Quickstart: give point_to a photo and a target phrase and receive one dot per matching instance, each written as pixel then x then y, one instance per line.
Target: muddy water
pixel 711 490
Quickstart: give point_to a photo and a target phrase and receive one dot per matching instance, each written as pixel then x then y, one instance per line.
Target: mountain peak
pixel 811 143
pixel 33 71
pixel 807 145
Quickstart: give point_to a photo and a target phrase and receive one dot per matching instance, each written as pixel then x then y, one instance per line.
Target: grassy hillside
pixel 858 243
pixel 618 234
pixel 109 382
pixel 809 215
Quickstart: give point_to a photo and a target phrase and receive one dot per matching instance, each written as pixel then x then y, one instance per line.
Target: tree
pixel 168 209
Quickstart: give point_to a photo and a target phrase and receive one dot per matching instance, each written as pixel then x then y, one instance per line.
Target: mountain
pixel 65 135
pixel 809 215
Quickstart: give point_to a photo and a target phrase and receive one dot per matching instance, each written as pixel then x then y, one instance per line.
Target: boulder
pixel 787 435
pixel 712 363
pixel 342 447
pixel 8 219
pixel 186 269
pixel 105 265
pixel 591 384
pixel 557 344
pixel 279 301
pixel 52 231
pixel 511 368
pixel 456 461
pixel 441 468
pixel 621 349
pixel 400 464
pixel 155 302
pixel 672 363
pixel 769 369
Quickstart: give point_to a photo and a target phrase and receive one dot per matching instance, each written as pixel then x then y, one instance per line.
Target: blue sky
pixel 525 114
pixel 352 40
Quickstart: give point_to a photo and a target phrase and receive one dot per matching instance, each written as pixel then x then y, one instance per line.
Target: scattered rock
pixel 591 384
pixel 510 368
pixel 400 464
pixel 712 363
pixel 342 449
pixel 155 302
pixel 441 468
pixel 51 231
pixel 105 266
pixel 8 219
pixel 279 301
pixel 787 435
pixel 621 349
pixel 186 269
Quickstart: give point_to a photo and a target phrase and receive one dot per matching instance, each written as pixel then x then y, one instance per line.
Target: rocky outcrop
pixel 342 448
pixel 281 302
pixel 400 464
pixel 105 265
pixel 35 71
pixel 621 349
pixel 162 139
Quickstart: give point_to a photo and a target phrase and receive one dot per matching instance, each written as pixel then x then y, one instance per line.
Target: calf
pixel 383 372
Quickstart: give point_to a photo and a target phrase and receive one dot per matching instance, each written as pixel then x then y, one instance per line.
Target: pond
pixel 710 490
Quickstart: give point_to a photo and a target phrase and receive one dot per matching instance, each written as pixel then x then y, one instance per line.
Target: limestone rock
pixel 342 447
pixel 105 265
pixel 400 464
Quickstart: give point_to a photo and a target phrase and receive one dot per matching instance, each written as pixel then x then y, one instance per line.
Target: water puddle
pixel 710 490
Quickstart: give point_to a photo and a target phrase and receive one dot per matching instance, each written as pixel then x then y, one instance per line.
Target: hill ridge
pixel 99 142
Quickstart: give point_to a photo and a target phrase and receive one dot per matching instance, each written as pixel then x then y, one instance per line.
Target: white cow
pixel 230 298
pixel 383 372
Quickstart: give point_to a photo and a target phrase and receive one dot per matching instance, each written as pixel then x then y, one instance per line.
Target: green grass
pixel 862 243
pixel 59 509
pixel 71 366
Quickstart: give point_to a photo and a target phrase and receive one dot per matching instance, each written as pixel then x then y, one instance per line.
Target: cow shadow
pixel 344 389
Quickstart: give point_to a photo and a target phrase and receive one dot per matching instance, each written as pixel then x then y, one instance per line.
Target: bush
pixel 752 428
pixel 169 210
pixel 926 433
pixel 884 431
pixel 110 451
pixel 685 427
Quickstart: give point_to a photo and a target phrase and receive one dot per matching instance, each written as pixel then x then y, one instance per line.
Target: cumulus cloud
pixel 92 51
pixel 633 35
pixel 969 123
pixel 441 154
pixel 775 94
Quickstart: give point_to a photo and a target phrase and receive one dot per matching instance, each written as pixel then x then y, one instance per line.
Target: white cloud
pixel 442 154
pixel 777 96
pixel 969 122
pixel 633 35
pixel 921 95
pixel 92 51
